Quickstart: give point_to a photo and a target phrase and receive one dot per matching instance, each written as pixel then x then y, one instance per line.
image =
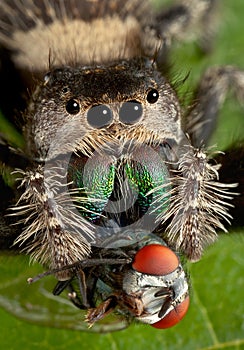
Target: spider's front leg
pixel 201 120
pixel 200 201
pixel 50 233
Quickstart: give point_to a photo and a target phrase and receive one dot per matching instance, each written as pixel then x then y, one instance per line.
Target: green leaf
pixel 7 129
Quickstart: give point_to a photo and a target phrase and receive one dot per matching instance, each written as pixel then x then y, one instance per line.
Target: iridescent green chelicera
pixel 94 181
pixel 98 179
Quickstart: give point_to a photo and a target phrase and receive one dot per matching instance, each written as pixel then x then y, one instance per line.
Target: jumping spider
pixel 112 165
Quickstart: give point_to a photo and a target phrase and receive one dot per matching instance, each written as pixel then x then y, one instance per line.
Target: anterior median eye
pixel 99 116
pixel 130 112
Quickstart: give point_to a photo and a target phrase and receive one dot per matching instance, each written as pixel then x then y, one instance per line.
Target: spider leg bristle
pixel 198 204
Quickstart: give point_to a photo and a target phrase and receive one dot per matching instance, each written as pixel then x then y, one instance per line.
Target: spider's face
pixel 114 128
pixel 86 107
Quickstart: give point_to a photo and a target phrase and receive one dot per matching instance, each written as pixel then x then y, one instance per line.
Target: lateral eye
pixel 99 116
pixel 130 112
pixel 152 96
pixel 73 107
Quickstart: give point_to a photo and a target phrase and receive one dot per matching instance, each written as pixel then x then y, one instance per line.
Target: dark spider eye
pixel 130 112
pixel 152 96
pixel 99 116
pixel 72 107
pixel 65 90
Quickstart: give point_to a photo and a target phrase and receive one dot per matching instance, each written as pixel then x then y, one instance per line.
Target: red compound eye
pixel 155 259
pixel 174 316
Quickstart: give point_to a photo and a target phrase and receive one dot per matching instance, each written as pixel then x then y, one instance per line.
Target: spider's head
pixel 84 108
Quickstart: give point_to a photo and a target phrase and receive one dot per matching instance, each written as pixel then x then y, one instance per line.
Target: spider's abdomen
pixel 91 32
